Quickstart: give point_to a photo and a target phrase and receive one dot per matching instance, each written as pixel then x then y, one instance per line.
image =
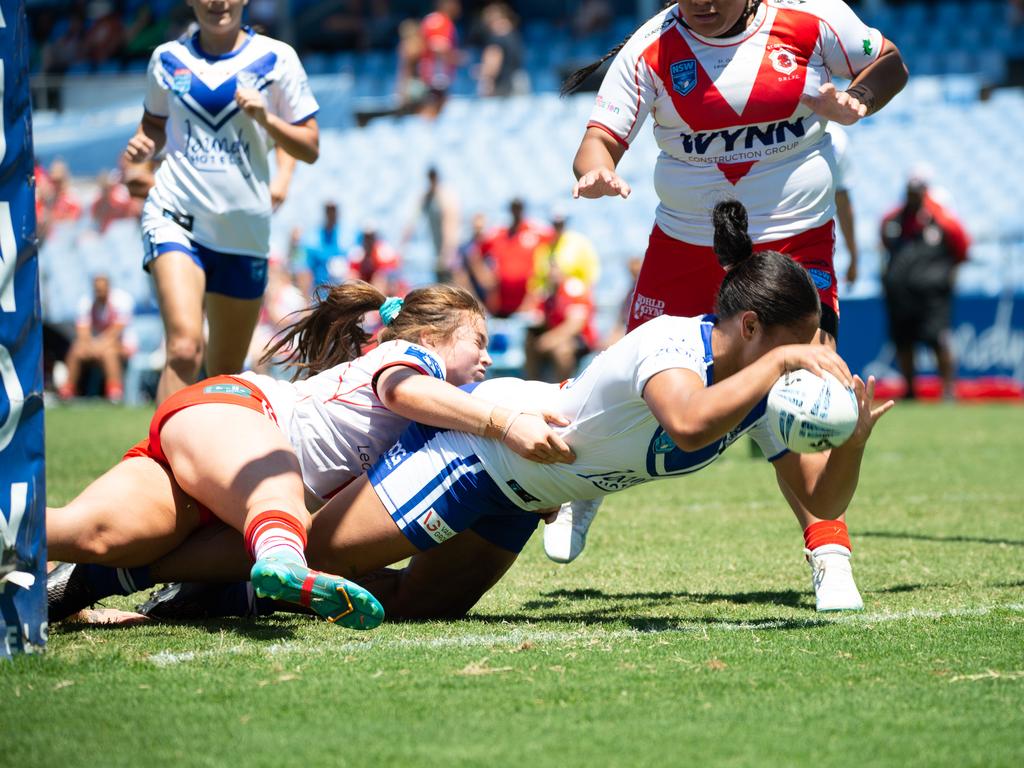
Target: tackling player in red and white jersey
pixel 741 93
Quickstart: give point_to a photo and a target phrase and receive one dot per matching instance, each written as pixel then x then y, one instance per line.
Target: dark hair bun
pixel 732 243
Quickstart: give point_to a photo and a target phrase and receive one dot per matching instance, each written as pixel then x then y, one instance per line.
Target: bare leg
pixel 905 356
pixel 442 583
pixel 235 461
pixel 130 516
pixel 232 322
pixel 180 285
pixel 947 366
pixel 110 356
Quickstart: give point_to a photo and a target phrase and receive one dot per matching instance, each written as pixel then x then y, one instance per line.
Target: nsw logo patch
pixel 684 76
pixel 181 83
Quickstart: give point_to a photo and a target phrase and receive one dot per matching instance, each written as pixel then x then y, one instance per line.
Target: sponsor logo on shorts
pixel 227 389
pixel 521 492
pixel 645 306
pixel 435 526
pixel 684 76
pixel 428 360
pixel 822 279
pixel 395 455
pixel 259 270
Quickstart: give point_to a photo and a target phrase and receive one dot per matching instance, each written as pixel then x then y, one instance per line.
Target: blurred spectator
pixel 55 200
pixel 440 206
pixel 374 261
pixel 441 56
pixel 104 36
pixel 510 253
pixel 844 203
pixel 64 48
pixel 324 256
pixel 501 63
pixel 925 243
pixel 565 331
pixel 571 251
pixel 100 329
pixel 591 17
pixel 280 300
pixel 410 88
pixel 330 25
pixel 113 201
pixel 262 14
pixel 473 271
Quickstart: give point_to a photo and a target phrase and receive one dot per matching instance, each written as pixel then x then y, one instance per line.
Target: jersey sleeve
pixel 156 101
pixel 627 92
pixel 771 446
pixel 664 351
pixel 291 98
pixel 412 356
pixel 848 45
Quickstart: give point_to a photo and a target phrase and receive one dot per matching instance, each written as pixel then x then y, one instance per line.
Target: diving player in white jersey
pixel 740 93
pixel 666 400
pixel 219 101
pixel 249 450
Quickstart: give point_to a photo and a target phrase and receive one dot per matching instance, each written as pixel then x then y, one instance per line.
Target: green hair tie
pixel 390 308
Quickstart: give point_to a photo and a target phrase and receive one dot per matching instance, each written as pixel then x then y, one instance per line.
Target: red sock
pixel 826 532
pixel 276 533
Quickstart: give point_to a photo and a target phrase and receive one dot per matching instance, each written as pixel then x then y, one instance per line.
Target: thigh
pixel 129 516
pixel 232 322
pixel 231 458
pixel 677 278
pixel 180 284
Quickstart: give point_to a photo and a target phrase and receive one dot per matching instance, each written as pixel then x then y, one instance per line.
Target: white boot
pixel 565 538
pixel 832 578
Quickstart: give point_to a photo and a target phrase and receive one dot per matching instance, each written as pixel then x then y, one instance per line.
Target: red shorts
pixel 681 279
pixel 231 390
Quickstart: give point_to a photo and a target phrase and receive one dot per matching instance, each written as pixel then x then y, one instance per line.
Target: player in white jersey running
pixel 740 92
pixel 249 450
pixel 664 401
pixel 218 100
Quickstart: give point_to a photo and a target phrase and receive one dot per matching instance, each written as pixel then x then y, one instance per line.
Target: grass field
pixel 685 635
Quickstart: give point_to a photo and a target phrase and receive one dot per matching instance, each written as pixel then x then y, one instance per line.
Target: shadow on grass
pixel 939 539
pixel 266 628
pixel 558 597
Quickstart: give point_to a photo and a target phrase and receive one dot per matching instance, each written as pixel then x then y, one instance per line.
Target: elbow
pixel 310 154
pixel 689 437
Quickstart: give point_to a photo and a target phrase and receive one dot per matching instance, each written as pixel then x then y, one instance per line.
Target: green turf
pixel 686 635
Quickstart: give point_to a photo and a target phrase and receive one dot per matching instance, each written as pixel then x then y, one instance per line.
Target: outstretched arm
pixel 595 163
pixel 695 416
pixel 427 400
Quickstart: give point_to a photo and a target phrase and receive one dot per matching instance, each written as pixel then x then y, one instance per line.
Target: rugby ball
pixel 809 413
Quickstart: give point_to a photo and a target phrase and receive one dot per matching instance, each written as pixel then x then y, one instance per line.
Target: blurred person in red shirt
pixel 373 261
pixel 113 201
pixel 510 253
pixel 925 244
pixel 441 55
pixel 566 332
pixel 55 200
pixel 100 338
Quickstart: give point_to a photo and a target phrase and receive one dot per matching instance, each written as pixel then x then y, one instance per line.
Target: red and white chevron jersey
pixel 727 113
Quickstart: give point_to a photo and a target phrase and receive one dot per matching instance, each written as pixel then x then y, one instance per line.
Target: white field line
pixel 516 636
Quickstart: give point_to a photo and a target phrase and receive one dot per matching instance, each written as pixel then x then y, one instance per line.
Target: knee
pixel 184 351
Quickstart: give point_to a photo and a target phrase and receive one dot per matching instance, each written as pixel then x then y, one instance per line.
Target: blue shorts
pixel 229 274
pixel 433 492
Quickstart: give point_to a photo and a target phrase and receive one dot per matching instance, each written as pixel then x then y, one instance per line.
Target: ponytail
pixel 328 333
pixel 577 78
pixel 770 284
pixel 331 332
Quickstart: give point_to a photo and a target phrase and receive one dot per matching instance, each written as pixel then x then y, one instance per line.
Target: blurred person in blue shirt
pixel 324 258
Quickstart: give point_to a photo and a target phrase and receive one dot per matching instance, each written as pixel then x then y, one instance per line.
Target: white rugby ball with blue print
pixel 809 413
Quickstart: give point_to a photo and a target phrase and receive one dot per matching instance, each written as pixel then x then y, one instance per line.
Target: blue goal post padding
pixel 22 476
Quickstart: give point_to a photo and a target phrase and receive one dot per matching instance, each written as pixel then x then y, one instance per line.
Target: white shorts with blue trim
pixel 434 488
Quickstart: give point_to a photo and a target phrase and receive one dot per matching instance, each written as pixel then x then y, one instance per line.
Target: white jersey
pixel 617 440
pixel 841 148
pixel 217 168
pixel 335 421
pixel 728 117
